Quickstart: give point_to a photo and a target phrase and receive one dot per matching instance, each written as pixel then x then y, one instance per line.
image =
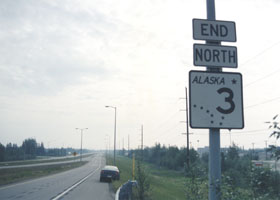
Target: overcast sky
pixel 62 61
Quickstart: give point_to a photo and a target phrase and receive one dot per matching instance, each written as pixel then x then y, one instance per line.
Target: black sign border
pixel 190 103
pixel 214 21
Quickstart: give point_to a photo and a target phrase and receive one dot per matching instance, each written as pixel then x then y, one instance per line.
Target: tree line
pixel 29 149
pixel 170 157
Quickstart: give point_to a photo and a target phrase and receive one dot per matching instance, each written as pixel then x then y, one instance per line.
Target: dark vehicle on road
pixel 109 173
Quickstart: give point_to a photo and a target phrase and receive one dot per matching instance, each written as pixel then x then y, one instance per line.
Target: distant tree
pixel 171 157
pixel 29 147
pixel 232 153
pixel 12 152
pixel 194 157
pixel 274 125
pixel 40 150
pixel 181 158
pixel 57 152
pixel 155 154
pixel 63 152
pixel 2 152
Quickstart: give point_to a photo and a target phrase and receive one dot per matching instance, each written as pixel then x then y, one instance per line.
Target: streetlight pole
pixel 115 126
pixel 81 151
pixel 198 147
pixel 229 138
pixel 106 146
pixel 265 149
pixel 253 144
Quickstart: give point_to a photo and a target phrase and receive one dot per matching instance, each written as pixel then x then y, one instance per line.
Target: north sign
pixel 214 56
pixel 214 30
pixel 216 100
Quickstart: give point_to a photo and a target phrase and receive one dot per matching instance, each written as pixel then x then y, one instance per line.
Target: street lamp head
pixel 81 128
pixel 111 107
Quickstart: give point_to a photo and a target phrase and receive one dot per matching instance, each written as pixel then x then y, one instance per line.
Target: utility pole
pixel 265 149
pixel 120 147
pixel 106 149
pixel 81 151
pixel 115 130
pixel 109 145
pixel 198 147
pixel 253 144
pixel 123 145
pixel 128 143
pixel 187 128
pixel 275 161
pixel 133 166
pixel 229 137
pixel 142 142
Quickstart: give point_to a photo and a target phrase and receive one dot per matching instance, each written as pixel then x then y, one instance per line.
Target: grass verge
pixel 165 184
pixel 8 176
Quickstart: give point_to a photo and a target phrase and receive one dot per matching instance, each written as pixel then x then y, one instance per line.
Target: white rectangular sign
pixel 216 100
pixel 214 56
pixel 214 30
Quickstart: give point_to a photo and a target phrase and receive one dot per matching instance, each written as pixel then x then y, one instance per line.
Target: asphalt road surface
pixel 77 184
pixel 19 165
pixel 39 164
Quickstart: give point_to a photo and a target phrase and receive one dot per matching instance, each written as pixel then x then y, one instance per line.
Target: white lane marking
pixel 75 185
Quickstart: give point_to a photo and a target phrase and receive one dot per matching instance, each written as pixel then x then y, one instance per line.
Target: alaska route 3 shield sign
pixel 216 100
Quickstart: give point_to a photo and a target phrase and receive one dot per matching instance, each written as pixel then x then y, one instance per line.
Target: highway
pixel 39 164
pixel 80 183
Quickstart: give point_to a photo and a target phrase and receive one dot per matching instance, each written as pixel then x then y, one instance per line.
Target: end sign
pixel 214 30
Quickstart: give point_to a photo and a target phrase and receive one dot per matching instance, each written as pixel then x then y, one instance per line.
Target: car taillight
pixel 117 173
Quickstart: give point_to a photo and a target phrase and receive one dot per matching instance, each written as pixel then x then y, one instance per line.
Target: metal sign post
pixel 214 134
